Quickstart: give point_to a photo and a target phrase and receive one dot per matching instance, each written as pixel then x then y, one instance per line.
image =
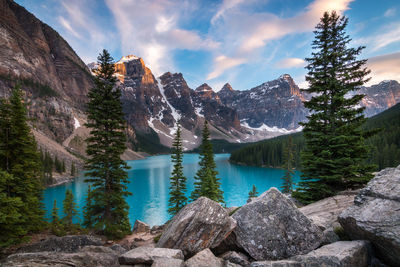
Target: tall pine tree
pixel 177 198
pixel 206 182
pixel 335 153
pixel 288 165
pixel 106 171
pixel 19 156
pixel 69 209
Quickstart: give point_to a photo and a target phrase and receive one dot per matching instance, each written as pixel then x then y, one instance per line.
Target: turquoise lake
pixel 149 184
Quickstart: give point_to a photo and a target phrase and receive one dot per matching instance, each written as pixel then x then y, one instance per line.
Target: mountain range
pixel 56 82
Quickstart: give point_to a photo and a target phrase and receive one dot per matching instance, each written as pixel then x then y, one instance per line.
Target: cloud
pixel 390 12
pixel 223 63
pixel 389 34
pixel 384 67
pixel 150 29
pixel 292 62
pixel 247 33
pixel 83 32
pixel 225 6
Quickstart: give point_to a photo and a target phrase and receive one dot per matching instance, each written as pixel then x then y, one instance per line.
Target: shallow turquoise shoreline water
pixel 149 184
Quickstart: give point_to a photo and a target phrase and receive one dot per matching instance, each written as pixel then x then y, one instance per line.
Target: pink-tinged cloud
pixel 384 67
pixel 245 34
pixel 223 63
pixel 292 62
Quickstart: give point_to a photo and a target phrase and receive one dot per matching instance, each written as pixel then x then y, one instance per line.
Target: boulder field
pixel 269 231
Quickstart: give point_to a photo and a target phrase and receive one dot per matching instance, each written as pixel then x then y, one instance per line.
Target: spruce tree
pixel 106 171
pixel 87 217
pixel 55 219
pixel 206 182
pixel 253 192
pixel 287 186
pixel 73 170
pixel 12 221
pixel 19 156
pixel 177 198
pixel 69 209
pixel 335 153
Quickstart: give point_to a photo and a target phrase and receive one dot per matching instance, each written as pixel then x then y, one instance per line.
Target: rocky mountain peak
pixel 204 88
pixel 227 88
pixel 133 67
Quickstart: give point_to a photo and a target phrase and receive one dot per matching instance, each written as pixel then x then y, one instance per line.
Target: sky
pixel 243 42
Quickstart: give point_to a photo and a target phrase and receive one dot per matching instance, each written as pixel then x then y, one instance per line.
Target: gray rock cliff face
pixel 271 227
pixel 375 215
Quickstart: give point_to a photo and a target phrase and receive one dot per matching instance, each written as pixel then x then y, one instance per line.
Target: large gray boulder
pixel 147 255
pixel 339 254
pixel 140 227
pixel 71 243
pixel 375 215
pixel 204 258
pixel 236 257
pixel 271 227
pixel 168 262
pixel 201 224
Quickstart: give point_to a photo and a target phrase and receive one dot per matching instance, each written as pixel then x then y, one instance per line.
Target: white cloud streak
pixel 384 67
pixel 292 62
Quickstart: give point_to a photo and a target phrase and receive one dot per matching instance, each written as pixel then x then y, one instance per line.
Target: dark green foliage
pixel 56 225
pixel 334 157
pixel 157 238
pixel 206 182
pixel 73 170
pixel 222 146
pixel 63 166
pixel 69 209
pixel 177 198
pixel 233 211
pixel 20 158
pixel 288 165
pixel 58 165
pixel 253 192
pixel 269 153
pixel 150 143
pixel 87 217
pixel 48 164
pixel 106 171
pixel 12 221
pixel 385 145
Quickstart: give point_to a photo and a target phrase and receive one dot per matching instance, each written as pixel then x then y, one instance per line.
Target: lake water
pixel 149 184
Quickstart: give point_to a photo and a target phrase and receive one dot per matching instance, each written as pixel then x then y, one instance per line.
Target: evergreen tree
pixel 19 156
pixel 177 198
pixel 12 221
pixel 106 170
pixel 63 166
pixel 206 182
pixel 87 212
pixel 335 152
pixel 287 186
pixel 69 209
pixel 73 170
pixel 55 220
pixel 253 192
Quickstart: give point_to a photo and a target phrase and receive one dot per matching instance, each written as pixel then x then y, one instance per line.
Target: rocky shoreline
pixel 350 229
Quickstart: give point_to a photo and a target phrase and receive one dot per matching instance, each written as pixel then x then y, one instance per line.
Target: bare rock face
pixel 140 227
pixel 168 262
pixel 271 227
pixel 61 259
pixel 204 258
pixel 339 254
pixel 199 225
pixel 147 255
pixel 236 257
pixel 375 215
pixel 72 243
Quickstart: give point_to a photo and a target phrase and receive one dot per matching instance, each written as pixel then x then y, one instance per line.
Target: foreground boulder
pixel 69 243
pixel 204 258
pixel 325 212
pixel 201 224
pixel 140 227
pixel 339 254
pixel 271 227
pixel 147 255
pixel 375 215
pixel 87 257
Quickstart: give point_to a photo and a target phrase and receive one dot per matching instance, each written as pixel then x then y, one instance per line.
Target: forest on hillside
pixel 384 146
